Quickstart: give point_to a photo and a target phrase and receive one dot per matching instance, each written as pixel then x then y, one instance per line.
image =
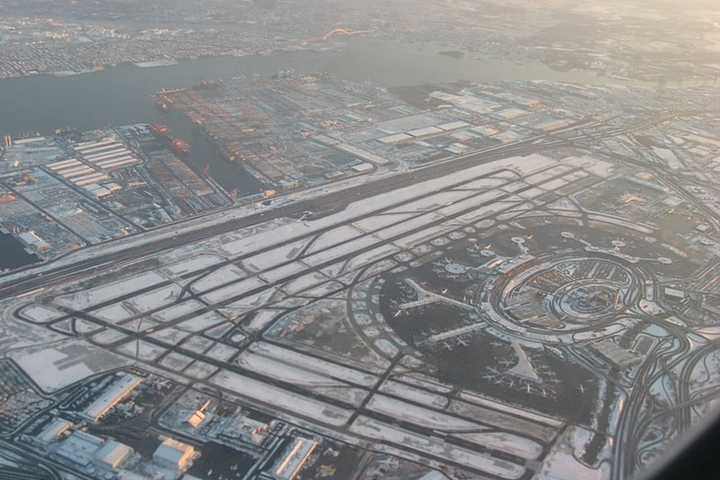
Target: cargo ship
pixel 160 130
pixel 180 146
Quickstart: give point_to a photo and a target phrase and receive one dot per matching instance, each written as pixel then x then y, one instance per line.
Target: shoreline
pixel 172 62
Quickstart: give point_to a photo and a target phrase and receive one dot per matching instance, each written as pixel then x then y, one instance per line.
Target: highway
pixel 684 399
pixel 631 426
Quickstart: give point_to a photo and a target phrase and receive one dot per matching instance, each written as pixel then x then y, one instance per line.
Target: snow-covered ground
pixel 421 416
pixel 233 290
pixel 56 367
pixel 194 264
pixel 41 313
pixel 502 407
pixel 416 395
pixel 562 463
pixel 433 446
pixel 330 369
pixel 94 296
pixel 286 372
pixel 178 310
pixel 504 442
pixel 219 277
pixel 280 398
pixel 156 298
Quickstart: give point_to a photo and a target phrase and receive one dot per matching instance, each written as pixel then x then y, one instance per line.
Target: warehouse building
pixel 295 457
pixel 115 393
pixel 174 455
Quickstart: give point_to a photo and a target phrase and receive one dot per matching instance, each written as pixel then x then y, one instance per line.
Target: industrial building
pixel 113 455
pixel 98 159
pixel 174 455
pixel 198 417
pixel 77 173
pixel 107 154
pixel 363 167
pixel 115 393
pixel 89 451
pixel 52 432
pixel 244 431
pixel 674 293
pixel 615 354
pixel 79 448
pixel 294 458
pixel 34 240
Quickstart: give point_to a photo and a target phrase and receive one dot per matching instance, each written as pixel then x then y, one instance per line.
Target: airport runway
pixel 329 203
